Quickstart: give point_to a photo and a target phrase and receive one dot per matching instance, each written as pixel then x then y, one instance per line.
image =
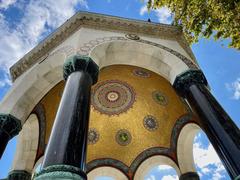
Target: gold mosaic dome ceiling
pixel 135 113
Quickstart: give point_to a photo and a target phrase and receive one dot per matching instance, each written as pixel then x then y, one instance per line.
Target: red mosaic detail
pixel 141 73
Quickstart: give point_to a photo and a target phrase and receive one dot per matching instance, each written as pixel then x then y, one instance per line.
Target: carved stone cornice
pixel 102 22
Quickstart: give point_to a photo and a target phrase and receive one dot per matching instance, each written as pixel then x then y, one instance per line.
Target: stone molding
pixel 39 110
pixel 188 78
pixel 102 22
pixel 10 125
pixel 60 172
pixel 88 47
pixel 81 63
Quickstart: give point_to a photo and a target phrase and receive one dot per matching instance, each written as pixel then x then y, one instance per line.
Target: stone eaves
pixel 96 21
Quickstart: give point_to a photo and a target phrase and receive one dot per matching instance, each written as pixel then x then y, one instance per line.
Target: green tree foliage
pixel 202 18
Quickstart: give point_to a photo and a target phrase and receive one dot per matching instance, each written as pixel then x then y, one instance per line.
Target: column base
pixel 55 172
pixel 19 175
pixel 189 176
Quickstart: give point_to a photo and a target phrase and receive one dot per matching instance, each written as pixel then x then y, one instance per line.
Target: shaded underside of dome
pixel 135 114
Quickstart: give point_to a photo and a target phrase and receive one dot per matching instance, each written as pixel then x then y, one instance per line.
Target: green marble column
pixel 65 155
pixel 222 132
pixel 64 172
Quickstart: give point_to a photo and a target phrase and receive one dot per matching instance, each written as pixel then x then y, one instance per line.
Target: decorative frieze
pixel 91 20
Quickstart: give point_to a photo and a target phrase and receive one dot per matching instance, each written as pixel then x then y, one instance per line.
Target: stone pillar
pixel 19 175
pixel 66 151
pixel 9 127
pixel 189 176
pixel 219 127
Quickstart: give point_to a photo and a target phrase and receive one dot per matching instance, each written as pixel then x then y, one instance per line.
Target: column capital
pixel 81 63
pixel 184 80
pixel 10 125
pixel 60 172
pixel 19 175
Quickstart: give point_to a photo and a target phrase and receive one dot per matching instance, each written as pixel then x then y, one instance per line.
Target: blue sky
pixel 24 23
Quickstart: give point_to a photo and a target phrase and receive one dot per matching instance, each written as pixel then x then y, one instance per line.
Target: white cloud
pixel 143 10
pixel 164 167
pixel 170 177
pixel 151 178
pixel 204 157
pixel 163 14
pixel 235 87
pixel 5 80
pixel 4 4
pixel 39 19
pixel 207 160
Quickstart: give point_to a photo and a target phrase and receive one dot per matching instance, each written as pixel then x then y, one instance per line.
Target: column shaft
pixel 220 129
pixel 189 176
pixel 4 141
pixel 68 140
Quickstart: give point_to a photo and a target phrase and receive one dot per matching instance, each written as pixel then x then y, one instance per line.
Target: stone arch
pixel 29 88
pixel 106 171
pixel 152 162
pixel 139 54
pixel 27 145
pixel 185 147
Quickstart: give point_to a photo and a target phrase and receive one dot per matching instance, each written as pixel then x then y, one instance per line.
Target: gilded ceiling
pixel 132 110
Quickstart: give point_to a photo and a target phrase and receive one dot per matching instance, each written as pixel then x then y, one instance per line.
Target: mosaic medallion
pixel 132 36
pixel 123 137
pixel 113 97
pixel 150 123
pixel 93 136
pixel 160 98
pixel 141 73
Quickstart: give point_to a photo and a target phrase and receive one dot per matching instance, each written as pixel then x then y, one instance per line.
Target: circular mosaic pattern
pixel 123 137
pixel 132 36
pixel 113 97
pixel 150 123
pixel 160 98
pixel 93 136
pixel 141 73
